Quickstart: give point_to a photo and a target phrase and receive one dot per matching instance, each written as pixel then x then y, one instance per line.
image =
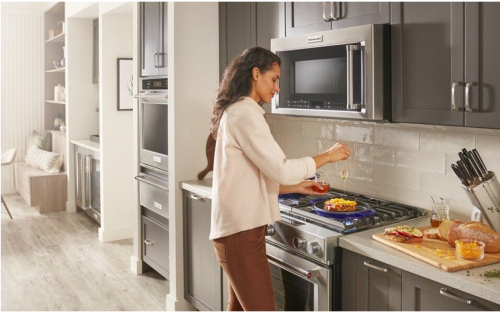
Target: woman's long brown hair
pixel 236 81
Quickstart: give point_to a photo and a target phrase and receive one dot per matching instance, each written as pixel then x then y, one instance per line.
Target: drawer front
pixel 154 198
pixel 155 244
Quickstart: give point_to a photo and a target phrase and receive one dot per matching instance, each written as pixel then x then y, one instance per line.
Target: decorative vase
pixel 63 60
pixel 57 122
pixel 63 128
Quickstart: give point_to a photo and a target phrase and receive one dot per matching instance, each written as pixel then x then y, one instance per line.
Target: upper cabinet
pixel 444 64
pixel 309 17
pixel 154 39
pixel 482 48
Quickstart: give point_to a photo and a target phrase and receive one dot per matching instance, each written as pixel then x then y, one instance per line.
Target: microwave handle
pixel 350 75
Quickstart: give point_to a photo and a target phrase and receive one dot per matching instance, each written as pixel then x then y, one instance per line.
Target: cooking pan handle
pixel 307 274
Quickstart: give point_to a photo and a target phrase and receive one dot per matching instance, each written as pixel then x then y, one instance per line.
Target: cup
pixel 322 179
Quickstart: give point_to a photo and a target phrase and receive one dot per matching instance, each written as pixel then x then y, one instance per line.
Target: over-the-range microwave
pixel 343 74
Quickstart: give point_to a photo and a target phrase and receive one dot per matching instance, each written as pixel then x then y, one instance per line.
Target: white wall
pixel 193 60
pixel 117 175
pixel 406 163
pixel 22 82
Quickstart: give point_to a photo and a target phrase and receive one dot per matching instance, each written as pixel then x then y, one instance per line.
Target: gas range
pixel 301 230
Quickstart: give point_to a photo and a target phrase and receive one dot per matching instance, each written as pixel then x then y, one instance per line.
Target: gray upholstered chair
pixel 7 159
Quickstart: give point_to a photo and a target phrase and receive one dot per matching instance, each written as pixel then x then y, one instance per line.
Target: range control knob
pixel 270 230
pixel 298 242
pixel 313 247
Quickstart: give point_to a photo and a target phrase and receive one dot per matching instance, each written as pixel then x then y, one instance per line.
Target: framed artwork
pixel 125 84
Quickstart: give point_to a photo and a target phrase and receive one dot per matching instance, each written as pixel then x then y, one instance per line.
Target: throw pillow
pixel 49 162
pixel 42 141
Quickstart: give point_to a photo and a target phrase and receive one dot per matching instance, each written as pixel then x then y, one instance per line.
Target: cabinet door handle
pixel 335 17
pixel 324 13
pixel 445 293
pixel 455 84
pixel 467 98
pixel 380 269
pixel 156 60
pixel 149 242
pixel 198 198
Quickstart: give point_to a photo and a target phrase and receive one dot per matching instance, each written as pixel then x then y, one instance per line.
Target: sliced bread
pixel 444 229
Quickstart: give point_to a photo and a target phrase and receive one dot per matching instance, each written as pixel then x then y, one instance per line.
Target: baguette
pixel 475 231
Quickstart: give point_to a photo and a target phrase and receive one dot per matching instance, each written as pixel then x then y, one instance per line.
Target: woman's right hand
pixel 338 151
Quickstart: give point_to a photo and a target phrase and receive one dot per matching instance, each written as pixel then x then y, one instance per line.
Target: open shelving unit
pixel 54 52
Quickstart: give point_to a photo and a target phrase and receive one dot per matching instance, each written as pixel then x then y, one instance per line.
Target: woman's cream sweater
pixel 249 166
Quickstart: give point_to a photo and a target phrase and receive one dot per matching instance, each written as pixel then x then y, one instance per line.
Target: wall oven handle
pixel 144 180
pixel 307 274
pixel 467 97
pixel 453 103
pixel 324 13
pixel 335 17
pixel 445 292
pixel 380 269
pixel 151 96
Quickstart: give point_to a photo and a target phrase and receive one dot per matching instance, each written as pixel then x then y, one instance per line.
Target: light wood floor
pixel 55 262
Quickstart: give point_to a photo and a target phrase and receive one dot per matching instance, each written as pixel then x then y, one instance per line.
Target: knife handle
pixel 466 171
pixel 478 157
pixel 471 159
pixel 467 167
pixel 460 174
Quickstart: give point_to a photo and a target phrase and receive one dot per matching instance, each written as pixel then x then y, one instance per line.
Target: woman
pixel 250 170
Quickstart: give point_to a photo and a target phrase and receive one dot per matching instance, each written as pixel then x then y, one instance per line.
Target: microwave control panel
pixel 316 105
pixel 153 84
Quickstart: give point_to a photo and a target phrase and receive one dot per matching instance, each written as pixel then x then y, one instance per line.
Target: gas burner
pixel 387 212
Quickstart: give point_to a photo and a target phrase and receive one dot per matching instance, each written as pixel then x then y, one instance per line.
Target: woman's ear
pixel 255 73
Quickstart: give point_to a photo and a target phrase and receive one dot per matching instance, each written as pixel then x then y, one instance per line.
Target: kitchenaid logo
pixel 318 38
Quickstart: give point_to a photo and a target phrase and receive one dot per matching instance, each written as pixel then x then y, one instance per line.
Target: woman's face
pixel 265 85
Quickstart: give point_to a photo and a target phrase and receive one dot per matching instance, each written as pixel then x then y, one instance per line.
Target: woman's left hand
pixel 306 187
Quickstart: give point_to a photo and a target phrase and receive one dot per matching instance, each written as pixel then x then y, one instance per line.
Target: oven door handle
pixel 307 274
pixel 151 96
pixel 144 180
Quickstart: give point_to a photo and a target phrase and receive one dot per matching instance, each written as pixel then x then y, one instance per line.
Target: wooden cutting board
pixel 425 251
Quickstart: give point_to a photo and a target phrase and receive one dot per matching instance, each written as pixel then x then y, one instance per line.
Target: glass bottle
pixel 440 213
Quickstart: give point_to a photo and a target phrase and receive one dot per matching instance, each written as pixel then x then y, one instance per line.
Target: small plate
pixel 363 209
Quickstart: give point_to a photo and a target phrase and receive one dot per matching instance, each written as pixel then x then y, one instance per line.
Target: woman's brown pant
pixel 243 258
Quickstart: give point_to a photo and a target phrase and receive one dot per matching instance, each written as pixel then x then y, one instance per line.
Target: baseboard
pixel 70 207
pixel 135 265
pixel 179 305
pixel 116 234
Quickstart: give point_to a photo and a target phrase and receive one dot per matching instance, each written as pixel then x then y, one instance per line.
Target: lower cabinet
pixel 203 274
pixel 155 246
pixel 422 294
pixel 370 285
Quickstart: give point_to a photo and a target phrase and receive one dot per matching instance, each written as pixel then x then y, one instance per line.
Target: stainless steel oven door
pixel 153 129
pixel 299 284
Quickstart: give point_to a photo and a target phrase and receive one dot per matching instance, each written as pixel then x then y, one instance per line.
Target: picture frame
pixel 125 84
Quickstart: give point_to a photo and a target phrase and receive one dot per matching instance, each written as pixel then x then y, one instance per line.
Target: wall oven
pixel 153 122
pixel 342 73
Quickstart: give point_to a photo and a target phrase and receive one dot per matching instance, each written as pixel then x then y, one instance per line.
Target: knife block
pixel 486 197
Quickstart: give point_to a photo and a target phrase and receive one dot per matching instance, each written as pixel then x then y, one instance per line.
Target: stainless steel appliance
pixel 304 254
pixel 342 73
pixel 153 122
pixel 88 182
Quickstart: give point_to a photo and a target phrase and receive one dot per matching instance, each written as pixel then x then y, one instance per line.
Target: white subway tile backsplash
pixel 441 184
pixel 361 134
pixel 396 137
pixel 488 146
pixel 421 160
pixel 395 176
pixel 318 130
pixel 445 141
pixel 400 162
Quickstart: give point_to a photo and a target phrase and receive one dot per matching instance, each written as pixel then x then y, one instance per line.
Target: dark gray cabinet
pixel 427 58
pixel 421 294
pixel 155 245
pixel 203 274
pixel 445 64
pixel 154 39
pixel 309 17
pixel 482 49
pixel 369 285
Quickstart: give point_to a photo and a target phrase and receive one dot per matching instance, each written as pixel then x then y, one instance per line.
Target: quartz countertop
pixel 468 280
